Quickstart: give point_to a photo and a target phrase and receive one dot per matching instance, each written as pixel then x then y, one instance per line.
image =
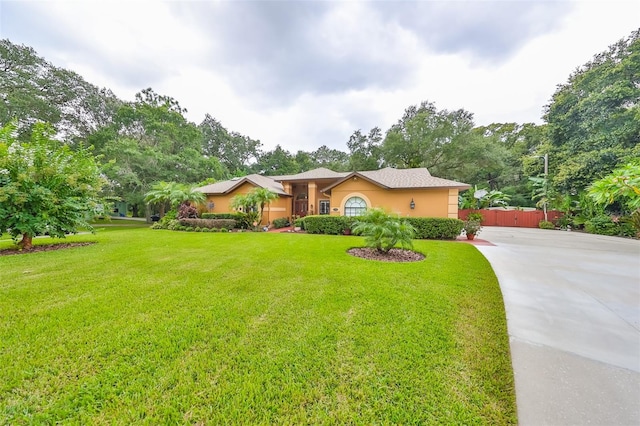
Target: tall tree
pixel 235 151
pixel 150 141
pixel 365 150
pixel 45 186
pixel 276 162
pixel 33 90
pixel 442 141
pixel 332 159
pixel 594 118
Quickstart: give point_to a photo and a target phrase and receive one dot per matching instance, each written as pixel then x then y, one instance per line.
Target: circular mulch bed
pixel 393 255
pixel 37 249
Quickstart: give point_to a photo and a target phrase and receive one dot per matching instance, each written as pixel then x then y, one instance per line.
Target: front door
pixel 301 207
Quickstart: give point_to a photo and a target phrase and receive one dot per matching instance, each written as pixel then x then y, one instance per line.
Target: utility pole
pixel 546 184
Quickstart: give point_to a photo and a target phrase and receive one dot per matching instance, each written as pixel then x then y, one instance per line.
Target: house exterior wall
pixel 435 202
pixel 280 207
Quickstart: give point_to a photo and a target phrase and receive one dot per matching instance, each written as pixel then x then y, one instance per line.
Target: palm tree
pixel 161 194
pixel 383 231
pixel 173 194
pixel 262 197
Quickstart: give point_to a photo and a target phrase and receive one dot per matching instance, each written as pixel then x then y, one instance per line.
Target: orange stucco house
pixel 406 192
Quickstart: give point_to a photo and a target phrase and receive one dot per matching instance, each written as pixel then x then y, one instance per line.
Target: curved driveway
pixel 573 315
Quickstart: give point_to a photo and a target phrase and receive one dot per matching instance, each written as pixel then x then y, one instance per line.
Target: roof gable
pixel 390 178
pixel 227 186
pixel 319 173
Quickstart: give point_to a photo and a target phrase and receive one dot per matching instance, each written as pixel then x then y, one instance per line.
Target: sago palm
pixel 383 231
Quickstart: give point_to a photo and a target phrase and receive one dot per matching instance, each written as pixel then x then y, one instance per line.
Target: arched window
pixel 355 206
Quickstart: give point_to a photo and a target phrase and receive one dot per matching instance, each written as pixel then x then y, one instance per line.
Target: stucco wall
pixel 436 202
pixel 278 208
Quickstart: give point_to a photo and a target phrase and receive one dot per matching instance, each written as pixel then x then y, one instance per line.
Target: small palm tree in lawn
pixel 383 231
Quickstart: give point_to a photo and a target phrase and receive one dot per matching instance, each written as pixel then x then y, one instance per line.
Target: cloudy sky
pixel 308 73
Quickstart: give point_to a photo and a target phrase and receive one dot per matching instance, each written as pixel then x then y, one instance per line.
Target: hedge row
pixel 436 228
pixel 234 216
pixel 209 223
pixel 325 224
pixel 427 228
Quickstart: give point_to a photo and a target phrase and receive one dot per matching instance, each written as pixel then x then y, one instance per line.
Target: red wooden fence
pixel 518 218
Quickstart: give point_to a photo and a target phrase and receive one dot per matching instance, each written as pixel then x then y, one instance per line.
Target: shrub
pixel 436 228
pixel 431 228
pixel 234 216
pixel 545 224
pixel 209 223
pixel 601 225
pixel 299 223
pixel 281 222
pixel 626 228
pixel 224 230
pixel 206 229
pixel 173 225
pixel 325 224
pixel 383 231
pixel 187 211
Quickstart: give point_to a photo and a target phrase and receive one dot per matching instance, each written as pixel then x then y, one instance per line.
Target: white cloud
pixel 343 67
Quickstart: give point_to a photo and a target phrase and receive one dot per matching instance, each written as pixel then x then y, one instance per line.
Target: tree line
pixel 591 127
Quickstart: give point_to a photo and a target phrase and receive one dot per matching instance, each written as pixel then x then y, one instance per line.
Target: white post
pixel 546 184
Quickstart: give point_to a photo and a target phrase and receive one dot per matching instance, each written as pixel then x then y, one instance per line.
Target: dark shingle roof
pixel 319 173
pixel 227 186
pixel 391 178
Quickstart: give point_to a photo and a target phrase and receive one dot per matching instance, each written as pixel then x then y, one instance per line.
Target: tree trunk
pixel 26 243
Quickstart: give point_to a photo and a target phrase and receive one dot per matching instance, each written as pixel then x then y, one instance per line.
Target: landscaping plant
pixel 383 231
pixel 45 186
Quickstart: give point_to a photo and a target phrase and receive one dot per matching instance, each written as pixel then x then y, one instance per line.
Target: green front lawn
pixel 166 327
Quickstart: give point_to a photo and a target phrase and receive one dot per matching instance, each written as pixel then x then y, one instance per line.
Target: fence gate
pixel 512 218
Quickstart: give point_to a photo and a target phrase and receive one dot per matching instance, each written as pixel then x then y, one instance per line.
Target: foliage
pixel 252 204
pixel 261 197
pixel 436 228
pixel 383 231
pixel 45 187
pixel 365 151
pixel 276 162
pixel 150 141
pixel 209 223
pixel 173 194
pixel 602 225
pixel 236 152
pixel 280 222
pixel 475 198
pixel 473 223
pixel 545 224
pixel 326 224
pixel 33 90
pixel 623 184
pixel 593 118
pixel 233 216
pixel 187 211
pixel 442 141
pixel 472 227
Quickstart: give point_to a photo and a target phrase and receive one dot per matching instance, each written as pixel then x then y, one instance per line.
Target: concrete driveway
pixel 573 315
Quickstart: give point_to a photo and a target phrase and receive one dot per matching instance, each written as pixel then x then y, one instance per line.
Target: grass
pixel 167 327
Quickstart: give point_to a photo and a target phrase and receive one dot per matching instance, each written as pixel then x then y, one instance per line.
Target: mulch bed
pixel 393 255
pixel 36 249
